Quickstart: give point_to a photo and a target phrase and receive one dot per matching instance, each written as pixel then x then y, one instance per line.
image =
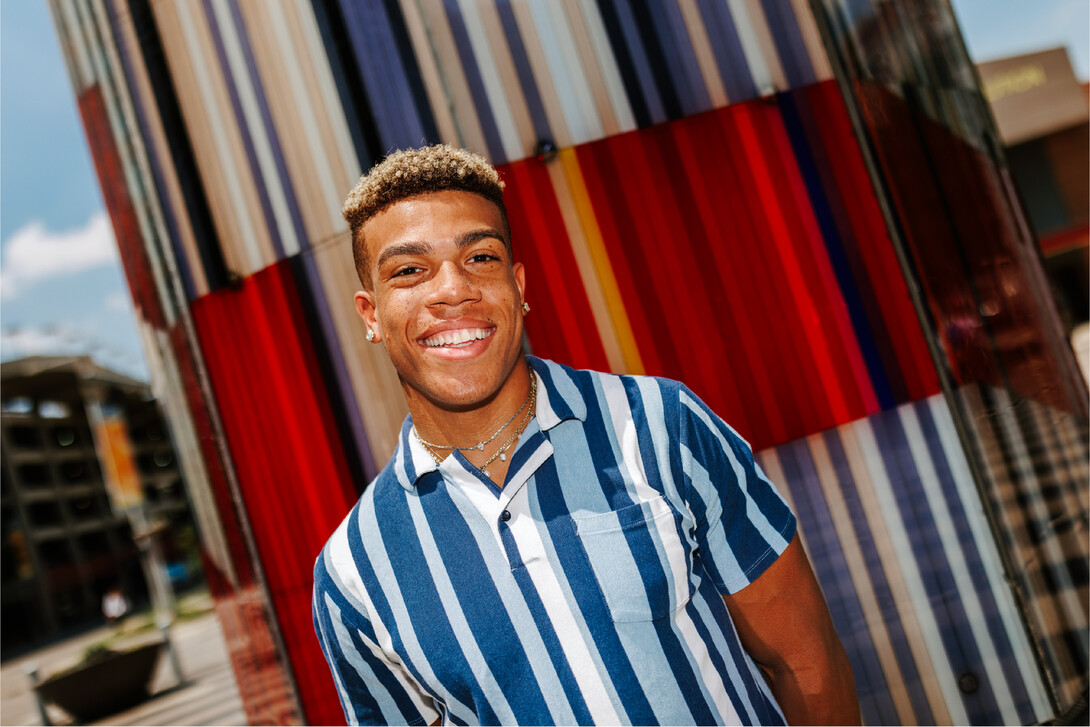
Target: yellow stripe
pixel 622 329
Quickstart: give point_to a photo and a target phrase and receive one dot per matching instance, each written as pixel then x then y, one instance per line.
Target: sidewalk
pixel 207 696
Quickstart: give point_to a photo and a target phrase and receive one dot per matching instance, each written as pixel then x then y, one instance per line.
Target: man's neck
pixel 467 427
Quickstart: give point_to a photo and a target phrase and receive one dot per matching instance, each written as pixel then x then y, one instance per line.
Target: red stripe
pixel 115 194
pixel 767 287
pixel 619 236
pixel 702 153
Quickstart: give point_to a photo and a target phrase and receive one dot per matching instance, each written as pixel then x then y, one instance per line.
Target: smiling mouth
pixel 457 338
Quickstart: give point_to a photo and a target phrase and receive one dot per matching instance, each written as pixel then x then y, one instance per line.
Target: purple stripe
pixel 959 645
pixel 680 57
pixel 271 133
pixel 384 76
pixel 1014 681
pixel 525 72
pixel 836 583
pixel 335 355
pixel 887 604
pixel 733 66
pixel 476 83
pixel 638 54
pixel 241 125
pixel 787 37
pixel 169 216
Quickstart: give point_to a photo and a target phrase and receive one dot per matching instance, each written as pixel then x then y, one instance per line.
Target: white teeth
pixel 459 337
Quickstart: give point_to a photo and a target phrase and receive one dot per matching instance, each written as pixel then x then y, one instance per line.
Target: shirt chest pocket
pixel 639 559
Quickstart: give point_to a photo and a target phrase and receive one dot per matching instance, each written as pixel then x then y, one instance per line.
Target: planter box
pixel 105 686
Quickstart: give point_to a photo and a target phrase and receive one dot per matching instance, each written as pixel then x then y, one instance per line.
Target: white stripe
pixel 456 618
pixel 498 103
pixel 375 549
pixel 751 49
pixel 756 516
pixel 571 88
pixel 232 180
pixel 298 89
pixel 607 62
pixel 574 642
pixel 959 569
pixel 342 569
pixel 499 571
pixel 921 604
pixel 244 85
pixel 989 557
pixel 327 89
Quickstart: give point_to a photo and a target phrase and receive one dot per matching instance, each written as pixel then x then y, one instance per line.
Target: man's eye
pixel 407 270
pixel 483 257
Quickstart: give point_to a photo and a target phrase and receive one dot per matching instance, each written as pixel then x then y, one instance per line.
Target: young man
pixel 549 546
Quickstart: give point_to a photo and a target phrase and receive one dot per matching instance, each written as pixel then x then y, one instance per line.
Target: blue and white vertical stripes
pixel 589 589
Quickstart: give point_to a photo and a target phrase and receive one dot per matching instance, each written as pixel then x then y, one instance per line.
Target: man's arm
pixel 784 624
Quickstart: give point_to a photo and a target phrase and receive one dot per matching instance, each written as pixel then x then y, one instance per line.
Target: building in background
pixel 800 208
pixel 1043 115
pixel 64 543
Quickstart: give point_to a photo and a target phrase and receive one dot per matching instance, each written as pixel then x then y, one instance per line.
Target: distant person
pixel 114 605
pixel 547 545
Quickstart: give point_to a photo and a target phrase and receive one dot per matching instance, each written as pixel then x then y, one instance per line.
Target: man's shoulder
pixel 588 381
pixel 362 514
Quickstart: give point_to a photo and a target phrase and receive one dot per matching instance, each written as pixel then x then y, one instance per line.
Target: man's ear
pixel 365 307
pixel 519 271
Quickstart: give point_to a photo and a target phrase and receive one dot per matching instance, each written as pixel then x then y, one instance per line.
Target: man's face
pixel 445 298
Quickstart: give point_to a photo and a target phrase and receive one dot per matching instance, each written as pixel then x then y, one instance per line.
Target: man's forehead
pixel 432 217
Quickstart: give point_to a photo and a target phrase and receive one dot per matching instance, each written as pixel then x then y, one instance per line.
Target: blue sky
pixel 61 285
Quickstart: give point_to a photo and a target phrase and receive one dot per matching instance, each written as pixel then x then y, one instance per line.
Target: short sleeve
pixel 372 689
pixel 743 524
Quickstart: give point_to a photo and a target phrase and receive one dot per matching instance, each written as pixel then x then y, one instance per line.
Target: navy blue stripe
pixel 549 636
pixel 186 172
pixel 902 651
pixel 413 575
pixel 390 96
pixel 421 106
pixel 727 47
pixel 642 110
pixel 692 89
pixel 488 619
pixel 784 26
pixel 353 682
pixel 240 120
pixel 935 572
pixel 575 564
pixel 720 616
pixel 125 54
pixel 475 82
pixel 1015 682
pixel 530 92
pixel 661 56
pixel 863 309
pixel 835 578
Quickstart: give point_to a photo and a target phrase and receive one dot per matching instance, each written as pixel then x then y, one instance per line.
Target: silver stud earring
pixel 370 336
pixel 525 307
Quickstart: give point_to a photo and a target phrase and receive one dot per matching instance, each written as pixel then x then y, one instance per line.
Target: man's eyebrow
pixel 477 235
pixel 403 248
pixel 424 248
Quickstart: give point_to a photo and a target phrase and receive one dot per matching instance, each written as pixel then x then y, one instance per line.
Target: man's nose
pixel 453 285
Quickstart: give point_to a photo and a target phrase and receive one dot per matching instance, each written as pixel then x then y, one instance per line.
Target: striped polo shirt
pixel 587 590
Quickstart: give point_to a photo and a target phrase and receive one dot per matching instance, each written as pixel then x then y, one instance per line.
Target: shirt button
pixel 505 515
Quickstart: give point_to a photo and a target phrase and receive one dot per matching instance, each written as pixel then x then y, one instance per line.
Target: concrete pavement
pixel 208 694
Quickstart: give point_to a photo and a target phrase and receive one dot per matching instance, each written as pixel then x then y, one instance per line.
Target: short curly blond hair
pixel 411 172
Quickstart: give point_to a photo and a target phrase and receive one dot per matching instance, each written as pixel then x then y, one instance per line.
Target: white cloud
pixel 118 302
pixel 34 253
